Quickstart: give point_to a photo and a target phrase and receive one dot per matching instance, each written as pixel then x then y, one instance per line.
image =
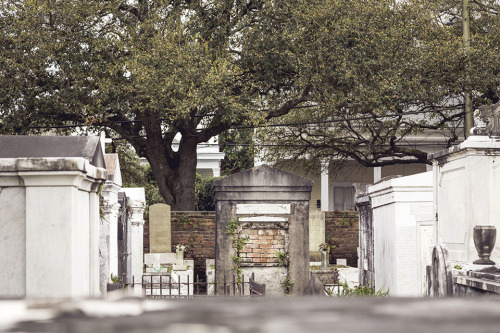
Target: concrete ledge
pixel 264 315
pixel 480 284
pixel 473 142
pixel 16 166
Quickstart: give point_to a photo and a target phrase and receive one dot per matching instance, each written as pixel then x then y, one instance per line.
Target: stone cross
pixel 104 140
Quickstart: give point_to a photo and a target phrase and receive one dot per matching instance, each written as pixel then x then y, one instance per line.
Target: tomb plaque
pixel 249 209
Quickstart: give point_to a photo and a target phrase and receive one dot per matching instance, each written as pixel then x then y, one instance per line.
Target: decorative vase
pixel 324 259
pixel 484 240
pixel 179 258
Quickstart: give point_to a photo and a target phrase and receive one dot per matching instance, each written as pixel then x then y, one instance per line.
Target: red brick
pixel 259 260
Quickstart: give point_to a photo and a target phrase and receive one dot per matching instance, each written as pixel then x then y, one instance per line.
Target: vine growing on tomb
pixel 238 244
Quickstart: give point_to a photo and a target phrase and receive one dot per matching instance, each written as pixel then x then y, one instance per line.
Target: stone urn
pixel 484 240
pixel 179 258
pixel 325 259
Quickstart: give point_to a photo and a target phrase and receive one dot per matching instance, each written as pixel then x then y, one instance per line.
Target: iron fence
pixel 166 286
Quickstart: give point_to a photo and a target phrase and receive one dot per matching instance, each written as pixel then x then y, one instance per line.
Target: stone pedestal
pixel 165 271
pixel 467 179
pixel 179 261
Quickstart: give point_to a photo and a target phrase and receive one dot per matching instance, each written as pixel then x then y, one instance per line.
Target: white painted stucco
pixel 49 226
pixel 401 208
pixel 468 194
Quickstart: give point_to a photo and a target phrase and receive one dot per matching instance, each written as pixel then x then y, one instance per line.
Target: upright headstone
pixel 267 209
pixel 316 234
pixel 160 232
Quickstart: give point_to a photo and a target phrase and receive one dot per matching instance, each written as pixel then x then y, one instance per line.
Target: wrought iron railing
pixel 166 286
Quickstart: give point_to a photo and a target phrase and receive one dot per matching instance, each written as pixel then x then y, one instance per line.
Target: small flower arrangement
pixel 180 248
pixel 324 247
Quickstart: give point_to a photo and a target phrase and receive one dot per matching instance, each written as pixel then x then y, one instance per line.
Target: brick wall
pixel 342 234
pixel 196 230
pixel 262 246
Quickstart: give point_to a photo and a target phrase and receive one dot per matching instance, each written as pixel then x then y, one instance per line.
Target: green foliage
pixel 193 238
pixel 136 173
pixel 346 291
pixel 167 76
pixel 287 284
pixel 369 64
pixel 156 73
pixel 239 150
pixel 238 244
pixel 203 192
pixel 236 260
pixel 459 267
pixel 115 279
pixel 324 247
pixel 184 222
pixel 282 258
pixel 233 227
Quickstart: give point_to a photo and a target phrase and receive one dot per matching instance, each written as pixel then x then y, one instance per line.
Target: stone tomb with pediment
pixel 262 228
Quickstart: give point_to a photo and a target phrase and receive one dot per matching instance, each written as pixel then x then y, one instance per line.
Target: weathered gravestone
pixel 162 266
pixel 316 234
pixel 262 227
pixel 160 232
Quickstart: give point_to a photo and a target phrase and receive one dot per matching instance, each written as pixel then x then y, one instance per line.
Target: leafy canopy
pixel 385 76
pixel 151 71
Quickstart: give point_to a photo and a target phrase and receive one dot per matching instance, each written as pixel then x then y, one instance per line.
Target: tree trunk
pixel 175 175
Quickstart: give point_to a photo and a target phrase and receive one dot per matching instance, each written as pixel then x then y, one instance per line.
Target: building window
pixel 343 198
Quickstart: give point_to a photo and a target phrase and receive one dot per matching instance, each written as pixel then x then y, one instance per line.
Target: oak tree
pixel 151 71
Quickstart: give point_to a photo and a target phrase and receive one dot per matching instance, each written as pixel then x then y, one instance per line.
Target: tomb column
pixel 136 204
pixel 108 243
pixel 324 187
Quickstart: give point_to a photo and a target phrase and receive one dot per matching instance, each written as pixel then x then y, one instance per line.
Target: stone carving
pixel 490 114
